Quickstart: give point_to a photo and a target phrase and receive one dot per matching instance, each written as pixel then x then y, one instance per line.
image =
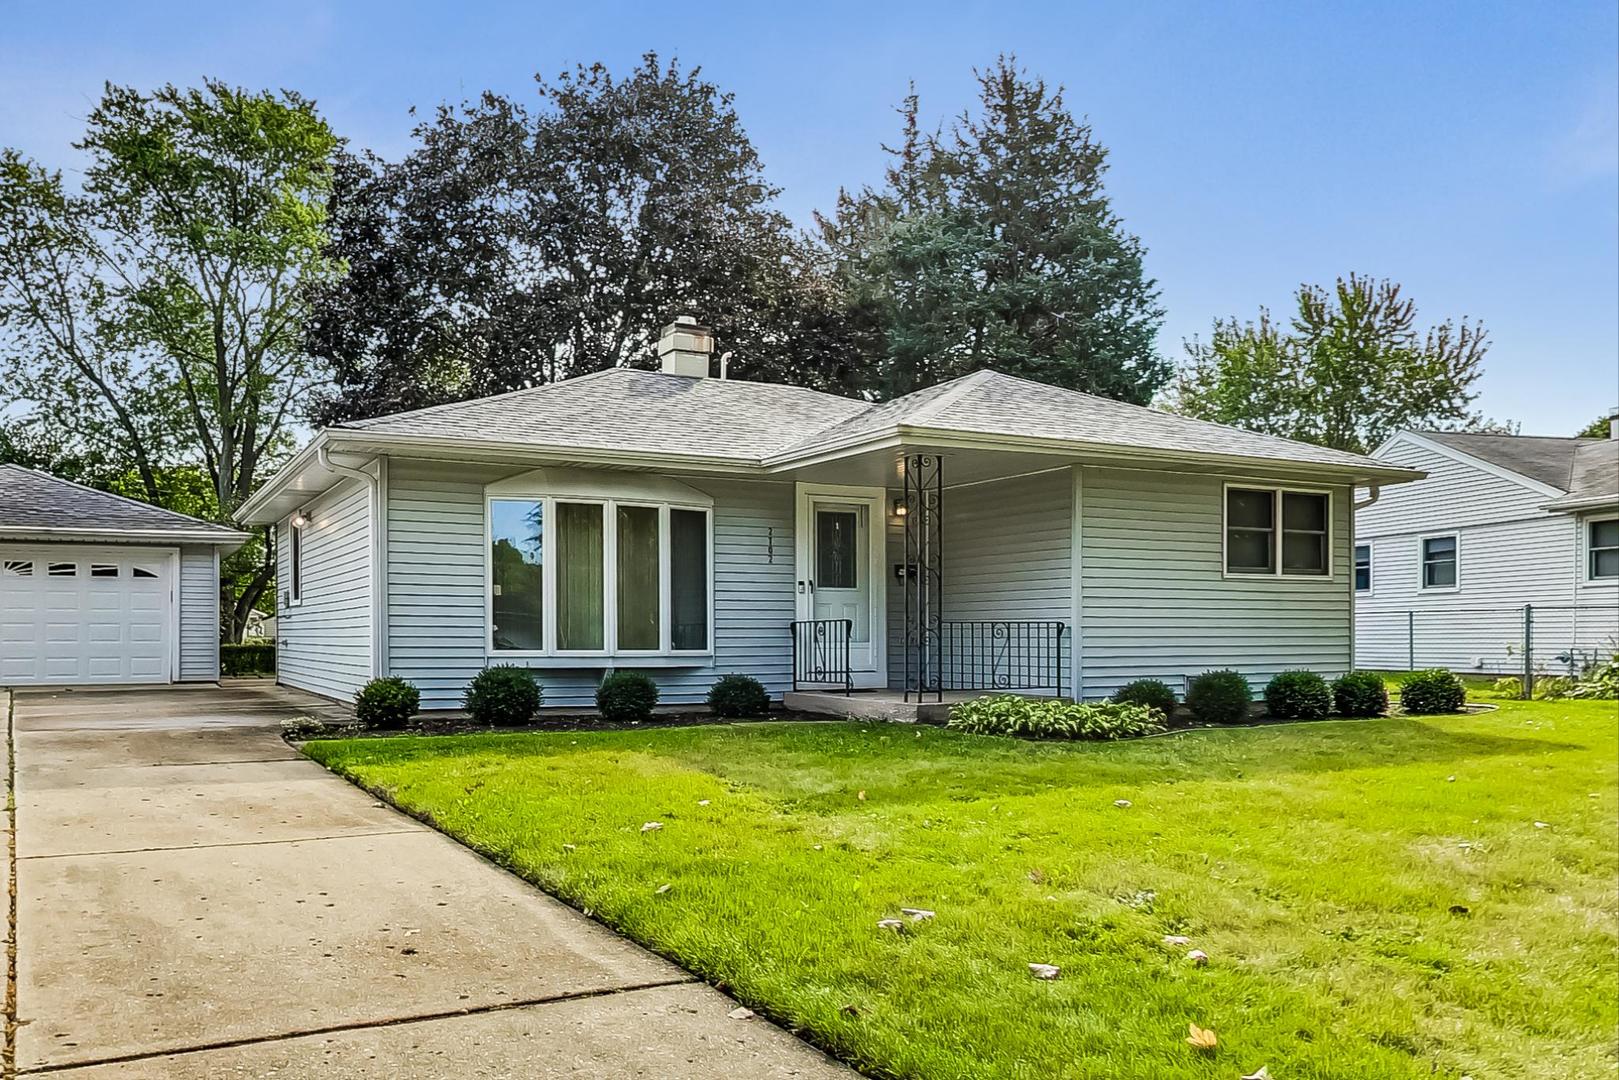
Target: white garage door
pixel 71 614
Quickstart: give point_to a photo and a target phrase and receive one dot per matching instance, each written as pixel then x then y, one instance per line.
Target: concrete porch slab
pixel 877 705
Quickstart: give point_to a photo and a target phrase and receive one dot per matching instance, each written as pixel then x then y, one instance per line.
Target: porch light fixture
pixel 899 507
pixel 298 520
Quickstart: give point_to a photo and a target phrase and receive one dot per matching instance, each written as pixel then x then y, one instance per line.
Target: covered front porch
pixel 966 588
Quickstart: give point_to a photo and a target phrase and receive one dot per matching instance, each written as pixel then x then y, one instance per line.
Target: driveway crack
pixel 358 1025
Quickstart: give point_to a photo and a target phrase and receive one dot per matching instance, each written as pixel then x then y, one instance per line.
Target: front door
pixel 840 561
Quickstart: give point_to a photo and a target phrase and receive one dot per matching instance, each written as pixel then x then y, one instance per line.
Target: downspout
pixel 1373 493
pixel 374 511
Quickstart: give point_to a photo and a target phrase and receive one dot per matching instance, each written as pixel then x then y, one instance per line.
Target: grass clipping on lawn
pixel 1387 898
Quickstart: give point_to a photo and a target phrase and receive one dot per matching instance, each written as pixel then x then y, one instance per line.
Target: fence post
pixel 1528 650
pixel 1410 641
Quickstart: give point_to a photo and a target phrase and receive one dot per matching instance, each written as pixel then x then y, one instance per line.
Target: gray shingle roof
pixel 1595 475
pixel 625 409
pixel 1549 459
pixel 650 412
pixel 993 403
pixel 36 500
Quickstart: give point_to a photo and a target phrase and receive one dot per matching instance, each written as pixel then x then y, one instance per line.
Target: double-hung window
pixel 1363 568
pixel 1277 531
pixel 1439 562
pixel 571 575
pixel 1602 549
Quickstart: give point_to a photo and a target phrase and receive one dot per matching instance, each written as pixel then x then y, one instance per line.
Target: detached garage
pixel 99 589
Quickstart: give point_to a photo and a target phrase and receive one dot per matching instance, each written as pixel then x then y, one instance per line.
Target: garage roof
pixel 38 506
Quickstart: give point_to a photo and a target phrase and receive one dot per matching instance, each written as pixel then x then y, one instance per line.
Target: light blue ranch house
pixel 987 533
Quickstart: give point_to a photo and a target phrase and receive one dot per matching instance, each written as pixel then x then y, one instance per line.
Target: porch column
pixel 924 574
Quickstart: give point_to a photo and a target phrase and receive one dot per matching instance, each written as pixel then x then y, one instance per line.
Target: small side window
pixel 295 587
pixel 1439 562
pixel 17 568
pixel 142 572
pixel 1602 546
pixel 99 569
pixel 1363 568
pixel 62 569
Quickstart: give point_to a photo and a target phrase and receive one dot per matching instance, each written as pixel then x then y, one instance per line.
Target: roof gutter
pixel 950 438
pixel 219 537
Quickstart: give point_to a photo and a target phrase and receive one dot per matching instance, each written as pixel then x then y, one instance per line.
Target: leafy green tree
pixel 153 319
pixel 513 247
pixel 994 244
pixel 1596 429
pixel 1349 369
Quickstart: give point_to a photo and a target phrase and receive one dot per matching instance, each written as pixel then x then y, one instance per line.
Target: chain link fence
pixel 1526 640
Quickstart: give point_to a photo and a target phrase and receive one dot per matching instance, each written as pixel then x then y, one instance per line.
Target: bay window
pixel 577 576
pixel 1275 531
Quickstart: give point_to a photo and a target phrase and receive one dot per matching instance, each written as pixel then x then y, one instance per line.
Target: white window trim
pixel 1276 526
pixel 1422 576
pixel 1371 568
pixel 1587 578
pixel 295 563
pixel 548 571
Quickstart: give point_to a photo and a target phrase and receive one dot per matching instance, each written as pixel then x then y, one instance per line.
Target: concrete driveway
pixel 196 900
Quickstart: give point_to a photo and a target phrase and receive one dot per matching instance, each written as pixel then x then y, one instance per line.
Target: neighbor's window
pixel 1363 568
pixel 618 573
pixel 517 563
pixel 1439 562
pixel 1602 549
pixel 1273 530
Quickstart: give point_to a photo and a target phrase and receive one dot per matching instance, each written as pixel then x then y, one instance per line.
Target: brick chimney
pixel 684 348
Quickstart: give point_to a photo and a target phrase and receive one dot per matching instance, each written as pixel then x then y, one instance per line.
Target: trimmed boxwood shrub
pixel 1424 693
pixel 1298 695
pixel 1153 693
pixel 503 696
pixel 1219 697
pixel 386 703
pixel 1052 718
pixel 738 695
pixel 1360 693
pixel 626 696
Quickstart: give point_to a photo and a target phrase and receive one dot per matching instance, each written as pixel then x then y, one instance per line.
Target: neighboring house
pixel 986 533
pixel 96 588
pixel 1445 566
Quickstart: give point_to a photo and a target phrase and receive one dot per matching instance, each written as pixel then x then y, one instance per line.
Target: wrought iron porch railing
pixel 999 654
pixel 821 654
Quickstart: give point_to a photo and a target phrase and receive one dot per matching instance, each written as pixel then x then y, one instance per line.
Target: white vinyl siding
pixel 199 615
pixel 1155 600
pixel 324 638
pixel 1510 552
pixel 436 604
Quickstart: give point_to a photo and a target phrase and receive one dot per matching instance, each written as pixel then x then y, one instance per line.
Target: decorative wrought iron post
pixel 924 574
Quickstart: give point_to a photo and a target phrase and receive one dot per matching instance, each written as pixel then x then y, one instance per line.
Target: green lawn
pixel 1375 897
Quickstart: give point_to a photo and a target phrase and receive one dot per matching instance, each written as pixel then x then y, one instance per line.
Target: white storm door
pixel 840 560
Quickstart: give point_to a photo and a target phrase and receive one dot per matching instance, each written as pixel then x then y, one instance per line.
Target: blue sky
pixel 1470 151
